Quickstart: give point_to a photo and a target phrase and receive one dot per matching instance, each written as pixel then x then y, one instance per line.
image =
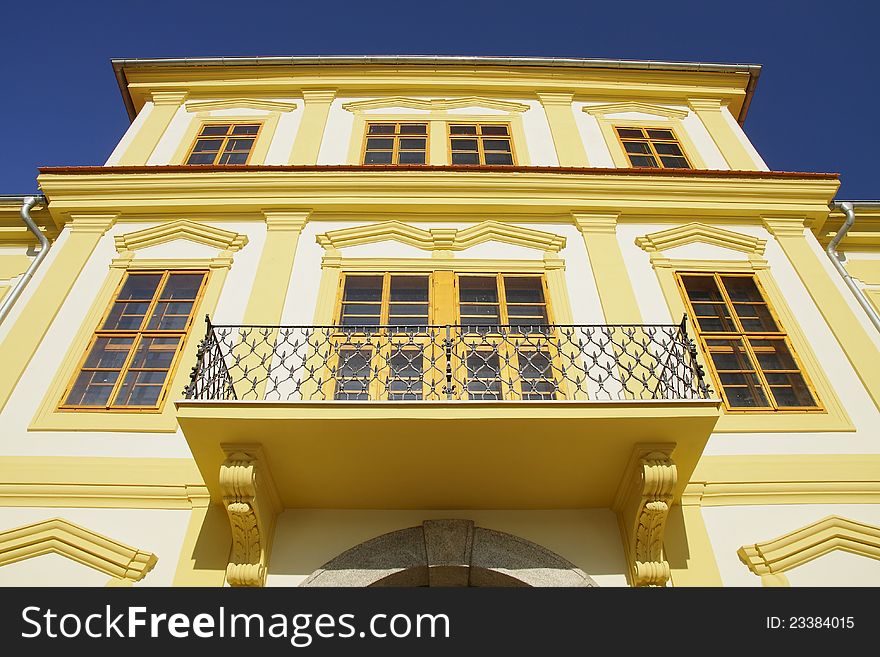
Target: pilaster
pixel 63 266
pixel 616 293
pixel 709 111
pixel 566 137
pixel 164 105
pixel 852 335
pixel 311 127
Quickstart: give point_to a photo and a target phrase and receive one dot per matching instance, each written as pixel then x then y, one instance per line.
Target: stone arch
pixel 448 553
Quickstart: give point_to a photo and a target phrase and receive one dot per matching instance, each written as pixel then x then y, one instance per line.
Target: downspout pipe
pixel 27 203
pixel 849 212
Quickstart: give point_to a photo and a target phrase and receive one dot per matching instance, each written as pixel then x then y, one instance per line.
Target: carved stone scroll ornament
pixel 643 506
pixel 252 505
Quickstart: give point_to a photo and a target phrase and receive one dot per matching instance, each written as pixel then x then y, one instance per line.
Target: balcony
pixel 475 416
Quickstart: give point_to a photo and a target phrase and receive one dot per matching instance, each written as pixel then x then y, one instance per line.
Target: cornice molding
pixel 82 545
pixel 182 229
pixel 772 558
pixel 703 233
pixel 441 239
pixel 435 104
pixel 632 106
pixel 240 103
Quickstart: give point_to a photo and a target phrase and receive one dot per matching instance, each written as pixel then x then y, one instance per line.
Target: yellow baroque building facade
pixel 445 321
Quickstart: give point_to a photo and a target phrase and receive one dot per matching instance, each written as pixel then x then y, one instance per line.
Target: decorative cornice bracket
pixel 252 504
pixel 642 505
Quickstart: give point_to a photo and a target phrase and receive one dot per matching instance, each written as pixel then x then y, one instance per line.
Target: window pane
pixel 411 157
pixel 642 161
pixel 743 389
pixel 363 288
pixel 380 144
pixel 381 129
pixel 409 288
pixel 182 286
pixel 126 316
pixel 668 149
pixel 637 147
pixel 413 144
pixel 233 158
pixel 245 129
pixel 714 318
pixel 523 289
pixel 741 288
pixel 631 132
pixel 155 353
pixel 405 381
pixel 465 158
pixel 414 129
pixel 660 134
pixel 533 312
pixel 675 162
pixel 773 355
pixel 755 317
pixel 478 289
pixel 494 130
pixel 211 130
pixel 462 130
pixel 464 144
pixel 702 288
pixel 378 157
pixel 239 145
pixel 499 158
pixel 201 158
pixel 170 316
pixel 212 145
pixel 92 389
pixel 360 321
pixel 478 310
pixel 496 145
pixel 140 389
pixel 139 286
pixel 109 353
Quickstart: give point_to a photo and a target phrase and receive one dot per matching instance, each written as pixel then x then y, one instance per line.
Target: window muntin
pixel 501 299
pixel 379 299
pixel 480 144
pixel 750 354
pixel 224 143
pixel 517 359
pixel 132 354
pixel 396 143
pixel 652 147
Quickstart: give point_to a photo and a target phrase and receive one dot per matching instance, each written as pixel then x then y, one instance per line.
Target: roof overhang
pixel 741 78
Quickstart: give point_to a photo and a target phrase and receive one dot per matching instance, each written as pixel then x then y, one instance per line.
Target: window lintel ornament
pixel 435 104
pixel 642 108
pixel 183 229
pixel 441 239
pixel 772 558
pixel 697 232
pixel 59 536
pixel 240 103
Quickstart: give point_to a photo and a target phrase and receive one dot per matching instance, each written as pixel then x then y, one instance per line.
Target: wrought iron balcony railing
pixel 540 362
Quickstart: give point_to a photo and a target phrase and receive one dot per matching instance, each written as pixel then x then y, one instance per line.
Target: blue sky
pixel 813 109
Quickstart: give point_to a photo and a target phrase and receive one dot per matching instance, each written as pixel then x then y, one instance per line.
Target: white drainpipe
pixel 831 250
pixel 27 202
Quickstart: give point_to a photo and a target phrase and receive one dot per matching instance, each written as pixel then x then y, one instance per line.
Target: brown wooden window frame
pixel 137 337
pixel 745 338
pixel 651 143
pixel 480 139
pixel 396 138
pixel 226 138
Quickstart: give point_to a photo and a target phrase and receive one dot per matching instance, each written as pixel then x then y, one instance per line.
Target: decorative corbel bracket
pixel 252 504
pixel 642 505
